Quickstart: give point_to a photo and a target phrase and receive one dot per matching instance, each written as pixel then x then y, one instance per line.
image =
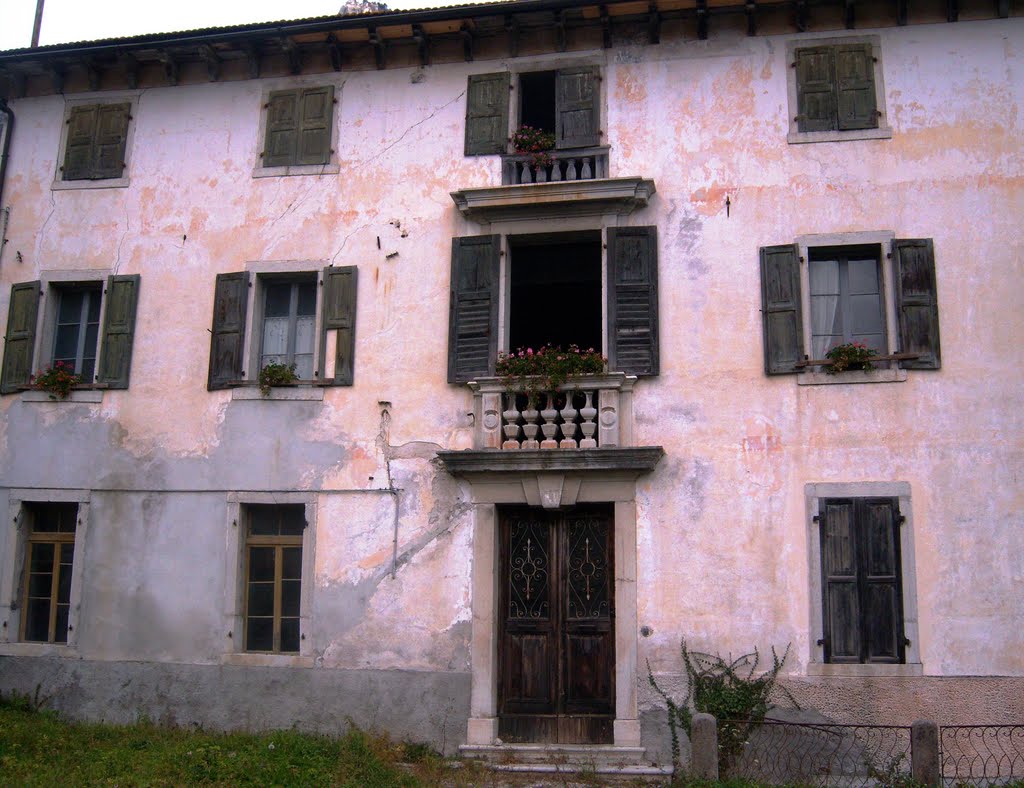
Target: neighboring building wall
pixel 723 522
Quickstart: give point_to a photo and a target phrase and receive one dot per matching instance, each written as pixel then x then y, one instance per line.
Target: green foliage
pixel 57 381
pixel 732 691
pixel 546 369
pixel 535 143
pixel 276 375
pixel 852 355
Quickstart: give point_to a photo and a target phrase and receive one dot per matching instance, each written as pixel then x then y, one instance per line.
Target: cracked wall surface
pixel 722 522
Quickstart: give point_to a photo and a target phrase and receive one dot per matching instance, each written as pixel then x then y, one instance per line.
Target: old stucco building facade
pixel 727 224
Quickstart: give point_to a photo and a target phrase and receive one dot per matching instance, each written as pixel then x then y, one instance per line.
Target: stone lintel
pixel 641 459
pixel 569 198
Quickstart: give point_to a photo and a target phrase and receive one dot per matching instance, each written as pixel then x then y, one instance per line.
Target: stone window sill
pixel 86 183
pixel 267 660
pixel 77 396
pixel 300 393
pixel 865 671
pixel 38 650
pixel 852 376
pixel 296 169
pixel 798 137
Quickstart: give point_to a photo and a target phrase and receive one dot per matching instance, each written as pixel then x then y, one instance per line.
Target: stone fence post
pixel 704 747
pixel 924 753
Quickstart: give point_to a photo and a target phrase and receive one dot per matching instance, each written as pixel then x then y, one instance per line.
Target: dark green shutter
pixel 340 288
pixel 815 89
pixel 633 300
pixel 78 150
pixel 487 113
pixel 840 597
pixel 316 111
pixel 917 302
pixel 20 340
pixel 282 128
pixel 577 104
pixel 855 87
pixel 230 303
pixel 781 313
pixel 881 592
pixel 111 138
pixel 118 330
pixel 473 308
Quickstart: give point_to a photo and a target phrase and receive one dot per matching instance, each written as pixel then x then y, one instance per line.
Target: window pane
pixel 93 308
pixel 290 634
pixel 261 599
pixel 70 309
pixel 290 597
pixel 42 557
pixel 293 520
pixel 278 299
pixel 261 564
pixel 292 568
pixel 64 584
pixel 262 520
pixel 65 346
pixel 307 298
pixel 259 634
pixel 40 584
pixel 824 276
pixel 865 314
pixel 304 334
pixel 304 366
pixel 863 276
pixel 60 634
pixel 37 620
pixel 275 339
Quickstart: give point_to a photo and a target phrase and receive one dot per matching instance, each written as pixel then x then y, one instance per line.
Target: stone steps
pixel 607 761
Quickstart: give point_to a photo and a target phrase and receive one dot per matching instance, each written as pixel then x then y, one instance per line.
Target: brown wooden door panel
pixel 556 641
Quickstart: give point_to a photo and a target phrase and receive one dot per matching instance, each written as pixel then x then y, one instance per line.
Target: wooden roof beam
pixel 334 52
pixel 57 75
pixel 422 44
pixel 291 49
pixel 561 42
pixel 801 15
pixel 606 28
pixel 952 10
pixel 170 67
pixel 209 54
pixel 512 28
pixel 1003 8
pixel 92 73
pixel 379 47
pixel 751 10
pixel 15 81
pixel 467 41
pixel 252 58
pixel 702 20
pixel 849 14
pixel 131 69
pixel 901 12
pixel 653 24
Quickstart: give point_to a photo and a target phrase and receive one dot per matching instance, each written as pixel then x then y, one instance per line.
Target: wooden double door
pixel 556 654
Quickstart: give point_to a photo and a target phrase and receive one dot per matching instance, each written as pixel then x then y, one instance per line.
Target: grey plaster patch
pixel 684 231
pixel 690 478
pixel 430 707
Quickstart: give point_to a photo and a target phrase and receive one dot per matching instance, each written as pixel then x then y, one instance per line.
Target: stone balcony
pixel 578 164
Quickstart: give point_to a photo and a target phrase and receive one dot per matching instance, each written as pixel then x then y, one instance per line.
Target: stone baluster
pixel 510 417
pixel 527 173
pixel 588 426
pixel 556 169
pixel 548 427
pixel 542 173
pixel 586 173
pixel 568 423
pixel 530 426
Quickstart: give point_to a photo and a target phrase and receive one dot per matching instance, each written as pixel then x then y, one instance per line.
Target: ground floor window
pixel 49 556
pixel 273 576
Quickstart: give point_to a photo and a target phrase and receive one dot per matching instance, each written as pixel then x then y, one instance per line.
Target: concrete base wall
pixel 419 706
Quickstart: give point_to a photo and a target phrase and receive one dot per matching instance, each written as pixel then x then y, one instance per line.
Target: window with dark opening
pixel 537 100
pixel 77 329
pixel 555 293
pixel 846 298
pixel 273 576
pixel 49 554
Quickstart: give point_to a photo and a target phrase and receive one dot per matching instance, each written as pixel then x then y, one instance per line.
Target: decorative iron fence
pixel 786 753
pixel 982 755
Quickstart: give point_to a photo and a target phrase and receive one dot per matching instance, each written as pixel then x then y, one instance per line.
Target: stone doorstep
pixel 564 759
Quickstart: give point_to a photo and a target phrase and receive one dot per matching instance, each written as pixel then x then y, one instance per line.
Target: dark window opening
pixel 555 292
pixel 49 555
pixel 77 329
pixel 846 298
pixel 537 100
pixel 273 577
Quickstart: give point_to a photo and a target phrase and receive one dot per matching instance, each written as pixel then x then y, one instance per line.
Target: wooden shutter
pixel 781 313
pixel 880 582
pixel 20 340
pixel 855 87
pixel 487 113
pixel 78 150
pixel 917 302
pixel 111 137
pixel 815 89
pixel 473 308
pixel 840 598
pixel 281 143
pixel 340 287
pixel 118 330
pixel 316 112
pixel 230 303
pixel 633 300
pixel 577 108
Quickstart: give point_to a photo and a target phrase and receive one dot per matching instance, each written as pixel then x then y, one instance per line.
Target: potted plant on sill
pixel 275 376
pixel 535 143
pixel 57 380
pixel 850 356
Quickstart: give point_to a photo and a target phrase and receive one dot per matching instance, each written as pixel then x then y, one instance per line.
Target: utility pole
pixel 38 23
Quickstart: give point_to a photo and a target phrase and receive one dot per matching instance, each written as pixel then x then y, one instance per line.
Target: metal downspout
pixel 5 153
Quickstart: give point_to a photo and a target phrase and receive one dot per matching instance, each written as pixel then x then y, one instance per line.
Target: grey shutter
pixel 781 312
pixel 487 113
pixel 577 108
pixel 633 300
pixel 917 302
pixel 815 89
pixel 314 141
pixel 118 330
pixel 840 598
pixel 473 308
pixel 281 143
pixel 880 583
pixel 20 340
pixel 230 303
pixel 340 287
pixel 111 137
pixel 855 87
pixel 78 150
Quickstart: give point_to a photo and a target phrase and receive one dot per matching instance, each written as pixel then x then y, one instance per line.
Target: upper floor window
pixel 835 90
pixel 95 148
pixel 825 291
pixel 298 127
pixel 289 323
pixel 84 325
pixel 565 103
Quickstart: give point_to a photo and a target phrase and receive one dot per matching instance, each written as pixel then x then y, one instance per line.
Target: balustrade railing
pixel 579 164
pixel 584 413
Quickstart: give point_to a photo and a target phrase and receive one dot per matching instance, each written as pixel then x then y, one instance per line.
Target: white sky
pixel 86 20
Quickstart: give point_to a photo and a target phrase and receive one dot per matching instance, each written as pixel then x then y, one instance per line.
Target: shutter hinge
pixel 901 519
pixel 878 113
pixel 799 118
pixel 820 642
pixel 263 154
pixel 888 255
pixel 334 101
pixel 906 642
pixel 816 518
pixel 793 64
pixel 874 59
pixel 131 117
pixel 267 105
pixel 321 283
